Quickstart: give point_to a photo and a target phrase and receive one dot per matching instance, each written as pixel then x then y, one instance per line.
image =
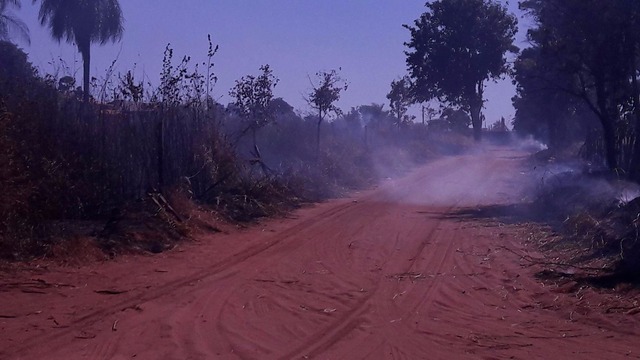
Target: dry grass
pixel 142 176
pixel 598 231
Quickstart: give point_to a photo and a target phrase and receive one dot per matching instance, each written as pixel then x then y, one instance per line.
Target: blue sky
pixel 297 38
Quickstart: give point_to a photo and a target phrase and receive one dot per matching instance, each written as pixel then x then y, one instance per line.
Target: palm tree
pixel 83 22
pixel 9 24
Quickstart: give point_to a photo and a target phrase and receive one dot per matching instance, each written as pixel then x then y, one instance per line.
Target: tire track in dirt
pixel 445 299
pixel 273 256
pixel 394 273
pixel 336 331
pixel 422 290
pixel 278 245
pixel 329 333
pixel 86 320
pixel 493 329
pixel 435 262
pixel 351 303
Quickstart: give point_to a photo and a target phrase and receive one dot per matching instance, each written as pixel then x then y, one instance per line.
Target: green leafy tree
pixel 400 98
pixel 253 96
pixel 543 109
pixel 597 45
pixel 10 24
pixel 456 119
pixel 323 96
pixel 83 22
pixel 455 47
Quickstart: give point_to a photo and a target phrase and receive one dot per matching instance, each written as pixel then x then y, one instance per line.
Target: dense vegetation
pixel 64 160
pixel 579 79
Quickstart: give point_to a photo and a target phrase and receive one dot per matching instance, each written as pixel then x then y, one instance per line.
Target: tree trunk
pixel 476 109
pixel 476 121
pixel 557 130
pixel 86 63
pixel 318 134
pixel 611 151
pixel 606 117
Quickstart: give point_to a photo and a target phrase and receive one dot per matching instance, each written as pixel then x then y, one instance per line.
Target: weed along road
pixel 396 272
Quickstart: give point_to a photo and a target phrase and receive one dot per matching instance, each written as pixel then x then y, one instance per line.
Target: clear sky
pixel 364 38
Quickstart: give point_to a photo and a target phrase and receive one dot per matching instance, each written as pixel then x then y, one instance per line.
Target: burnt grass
pixel 583 218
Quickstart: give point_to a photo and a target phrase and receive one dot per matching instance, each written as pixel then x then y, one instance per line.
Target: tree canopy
pixel 9 24
pixel 455 47
pixel 324 95
pixel 591 51
pixel 400 98
pixel 253 96
pixel 83 23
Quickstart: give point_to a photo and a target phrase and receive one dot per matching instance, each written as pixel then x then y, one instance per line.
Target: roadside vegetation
pixel 138 166
pixel 129 164
pixel 577 91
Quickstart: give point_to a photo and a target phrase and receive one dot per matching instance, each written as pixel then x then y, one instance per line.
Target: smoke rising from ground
pixel 573 186
pixel 504 176
pixel 487 175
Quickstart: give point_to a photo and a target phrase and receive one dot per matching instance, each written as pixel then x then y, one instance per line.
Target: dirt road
pixel 391 273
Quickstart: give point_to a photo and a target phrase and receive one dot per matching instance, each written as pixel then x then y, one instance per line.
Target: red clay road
pixel 390 273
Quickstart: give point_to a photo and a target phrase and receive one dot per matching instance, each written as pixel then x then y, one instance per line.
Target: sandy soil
pixel 391 273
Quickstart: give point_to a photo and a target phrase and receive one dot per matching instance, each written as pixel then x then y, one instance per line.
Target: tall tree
pixel 455 47
pixel 323 97
pixel 400 98
pixel 83 22
pixel 10 24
